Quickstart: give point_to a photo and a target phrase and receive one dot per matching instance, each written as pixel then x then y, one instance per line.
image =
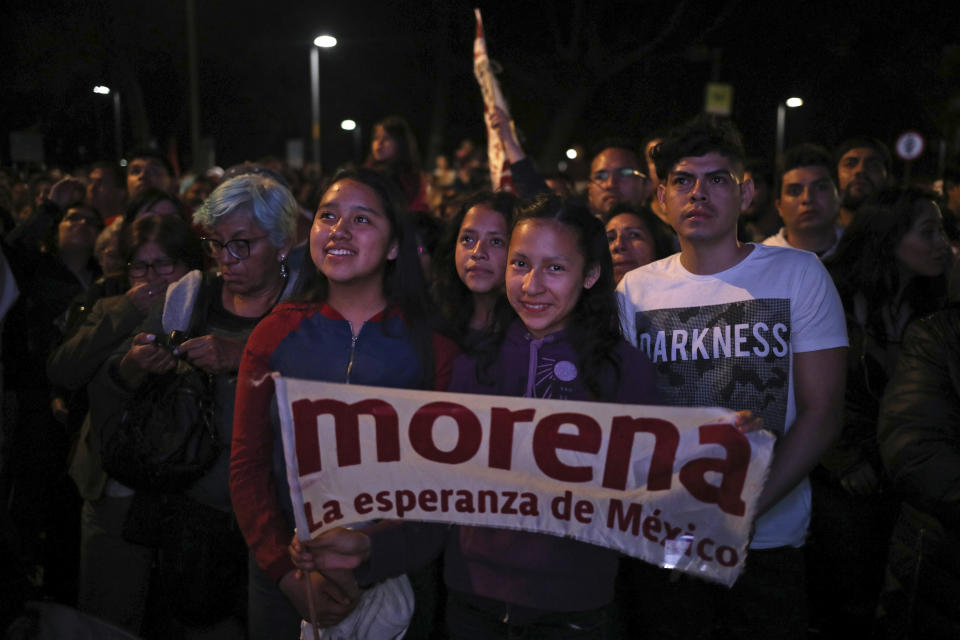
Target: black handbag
pixel 166 437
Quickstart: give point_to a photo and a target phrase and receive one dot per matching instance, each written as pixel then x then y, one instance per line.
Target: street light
pixel 118 141
pixel 792 103
pixel 323 41
pixel 352 125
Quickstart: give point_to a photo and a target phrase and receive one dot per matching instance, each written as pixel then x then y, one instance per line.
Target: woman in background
pixel 394 153
pixel 635 237
pixel 889 268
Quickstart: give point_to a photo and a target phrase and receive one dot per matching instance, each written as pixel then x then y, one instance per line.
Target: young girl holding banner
pixel 362 320
pixel 559 338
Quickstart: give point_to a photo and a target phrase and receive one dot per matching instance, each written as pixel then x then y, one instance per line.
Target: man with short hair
pixel 741 326
pixel 808 202
pixel 649 144
pixel 616 175
pixel 863 168
pixel 147 169
pixel 105 191
pixel 760 219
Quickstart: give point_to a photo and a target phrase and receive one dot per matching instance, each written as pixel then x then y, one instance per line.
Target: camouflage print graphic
pixel 734 355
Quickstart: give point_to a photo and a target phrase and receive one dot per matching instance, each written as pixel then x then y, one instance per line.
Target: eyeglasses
pixel 76 218
pixel 238 248
pixel 160 267
pixel 625 173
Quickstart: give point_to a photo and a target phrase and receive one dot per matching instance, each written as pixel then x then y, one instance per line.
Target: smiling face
pixel 351 239
pixel 923 250
pixel 808 199
pixel 631 243
pixel 703 197
pixel 546 275
pixel 481 254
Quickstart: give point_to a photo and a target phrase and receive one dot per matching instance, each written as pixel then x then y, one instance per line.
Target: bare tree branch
pixel 635 56
pixel 638 54
pixel 720 19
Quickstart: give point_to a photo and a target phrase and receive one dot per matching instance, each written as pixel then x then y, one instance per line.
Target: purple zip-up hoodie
pixel 533 570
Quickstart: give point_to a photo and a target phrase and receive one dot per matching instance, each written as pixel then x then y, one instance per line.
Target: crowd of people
pixel 117 284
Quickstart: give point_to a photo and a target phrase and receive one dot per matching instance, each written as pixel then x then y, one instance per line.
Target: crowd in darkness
pixel 96 260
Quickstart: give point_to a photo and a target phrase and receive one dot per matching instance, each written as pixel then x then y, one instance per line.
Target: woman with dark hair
pixel 153 202
pixel 889 268
pixel 157 251
pixel 114 573
pixel 562 318
pixel 393 152
pixel 362 319
pixel 591 326
pixel 470 263
pixel 635 237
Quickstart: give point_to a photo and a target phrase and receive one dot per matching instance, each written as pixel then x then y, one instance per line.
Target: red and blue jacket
pixel 311 341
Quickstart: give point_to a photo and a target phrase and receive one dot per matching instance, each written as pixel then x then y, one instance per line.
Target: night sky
pixel 861 67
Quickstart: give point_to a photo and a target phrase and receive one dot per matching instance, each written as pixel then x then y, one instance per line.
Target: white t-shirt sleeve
pixel 628 312
pixel 816 311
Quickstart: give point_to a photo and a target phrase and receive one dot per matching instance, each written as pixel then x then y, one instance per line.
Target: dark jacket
pixel 73 365
pixel 867 377
pixel 919 434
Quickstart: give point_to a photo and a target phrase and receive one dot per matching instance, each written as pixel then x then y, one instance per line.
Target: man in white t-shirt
pixel 742 326
pixel 808 202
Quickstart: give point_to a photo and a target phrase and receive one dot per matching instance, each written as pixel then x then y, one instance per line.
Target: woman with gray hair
pixel 248 223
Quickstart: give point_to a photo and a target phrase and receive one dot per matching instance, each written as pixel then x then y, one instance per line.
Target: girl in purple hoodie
pixel 559 337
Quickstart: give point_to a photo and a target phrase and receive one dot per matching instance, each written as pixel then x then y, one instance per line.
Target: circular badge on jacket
pixel 565 370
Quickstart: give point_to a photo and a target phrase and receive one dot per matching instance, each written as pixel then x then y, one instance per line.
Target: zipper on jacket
pixel 353 349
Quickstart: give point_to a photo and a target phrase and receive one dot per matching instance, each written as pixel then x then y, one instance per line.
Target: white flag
pixel 492 97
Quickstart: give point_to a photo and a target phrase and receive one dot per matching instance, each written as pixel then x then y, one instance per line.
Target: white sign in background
pixel 684 498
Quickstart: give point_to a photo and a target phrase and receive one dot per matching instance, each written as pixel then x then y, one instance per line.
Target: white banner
pixel 500 178
pixel 675 487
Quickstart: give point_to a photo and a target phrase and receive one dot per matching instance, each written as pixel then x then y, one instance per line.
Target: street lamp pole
pixel 117 130
pixel 325 42
pixel 355 128
pixel 782 124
